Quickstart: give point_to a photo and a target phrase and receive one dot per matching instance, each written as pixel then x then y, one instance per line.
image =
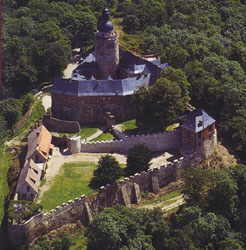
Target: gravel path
pixel 177 201
pixel 95 135
pixel 67 73
pixel 46 101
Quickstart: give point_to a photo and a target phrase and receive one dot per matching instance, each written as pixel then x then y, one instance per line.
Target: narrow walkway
pixel 95 135
pixel 46 101
pixel 67 73
pixel 172 203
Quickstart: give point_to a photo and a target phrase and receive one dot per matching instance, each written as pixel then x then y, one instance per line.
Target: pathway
pixel 46 101
pixel 171 204
pixel 67 73
pixel 95 135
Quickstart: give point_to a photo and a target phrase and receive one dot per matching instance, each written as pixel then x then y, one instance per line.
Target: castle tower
pixel 106 46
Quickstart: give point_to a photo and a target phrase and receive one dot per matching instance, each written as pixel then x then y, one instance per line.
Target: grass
pixel 104 137
pixel 72 181
pixel 5 162
pixel 172 127
pixel 163 198
pixel 129 125
pixel 84 132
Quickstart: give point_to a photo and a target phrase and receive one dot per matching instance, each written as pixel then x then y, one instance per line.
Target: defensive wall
pixel 60 126
pixel 84 208
pixel 158 142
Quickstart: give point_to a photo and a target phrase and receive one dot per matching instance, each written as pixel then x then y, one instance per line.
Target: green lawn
pixel 71 182
pixel 5 162
pixel 104 137
pixel 172 127
pixel 84 132
pixel 129 125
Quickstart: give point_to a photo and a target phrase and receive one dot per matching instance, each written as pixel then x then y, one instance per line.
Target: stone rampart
pixel 125 192
pixel 156 142
pixel 60 126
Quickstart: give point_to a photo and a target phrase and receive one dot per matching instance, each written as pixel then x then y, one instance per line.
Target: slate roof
pixel 99 87
pixel 197 120
pixel 83 82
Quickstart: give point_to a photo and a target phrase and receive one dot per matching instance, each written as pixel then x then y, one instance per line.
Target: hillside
pixel 204 45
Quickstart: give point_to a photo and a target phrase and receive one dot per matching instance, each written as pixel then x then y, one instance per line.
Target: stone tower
pixel 106 47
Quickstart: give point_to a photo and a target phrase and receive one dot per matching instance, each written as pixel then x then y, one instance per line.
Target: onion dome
pixel 104 23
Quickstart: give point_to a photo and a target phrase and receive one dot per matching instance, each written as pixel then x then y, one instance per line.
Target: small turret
pixel 104 24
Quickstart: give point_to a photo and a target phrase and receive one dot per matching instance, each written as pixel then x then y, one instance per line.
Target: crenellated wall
pixel 156 142
pixel 124 192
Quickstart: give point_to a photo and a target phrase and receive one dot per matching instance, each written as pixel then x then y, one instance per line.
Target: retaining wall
pixel 60 126
pixel 124 192
pixel 156 142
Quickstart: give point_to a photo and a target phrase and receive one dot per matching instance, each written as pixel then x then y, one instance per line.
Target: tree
pixel 107 172
pixel 124 228
pixel 138 159
pixel 130 23
pixel 163 102
pixel 212 190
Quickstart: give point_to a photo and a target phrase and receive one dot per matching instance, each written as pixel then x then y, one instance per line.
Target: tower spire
pixel 104 24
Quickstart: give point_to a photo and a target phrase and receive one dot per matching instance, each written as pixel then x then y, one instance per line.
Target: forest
pixel 202 41
pixel 204 44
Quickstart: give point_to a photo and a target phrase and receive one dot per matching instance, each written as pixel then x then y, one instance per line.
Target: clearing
pixel 72 181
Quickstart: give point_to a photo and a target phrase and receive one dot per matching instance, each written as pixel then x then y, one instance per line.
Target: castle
pixel 104 82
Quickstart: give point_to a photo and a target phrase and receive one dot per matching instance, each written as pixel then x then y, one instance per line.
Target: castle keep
pixel 104 82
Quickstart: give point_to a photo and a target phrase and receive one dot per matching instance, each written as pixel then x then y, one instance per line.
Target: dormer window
pixel 200 123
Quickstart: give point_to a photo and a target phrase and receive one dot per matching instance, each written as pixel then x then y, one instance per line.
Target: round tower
pixel 106 46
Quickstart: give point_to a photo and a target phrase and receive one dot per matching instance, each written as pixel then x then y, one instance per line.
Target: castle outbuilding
pixel 198 133
pixel 105 81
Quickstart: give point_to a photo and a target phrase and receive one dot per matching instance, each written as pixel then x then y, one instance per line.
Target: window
pixel 33 180
pixel 199 124
pixel 28 189
pixel 35 171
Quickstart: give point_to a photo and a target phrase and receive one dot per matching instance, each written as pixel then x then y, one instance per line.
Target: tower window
pixel 199 123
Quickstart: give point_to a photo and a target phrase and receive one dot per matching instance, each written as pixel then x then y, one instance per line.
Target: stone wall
pixel 60 142
pixel 84 208
pixel 60 126
pixel 91 108
pixel 155 142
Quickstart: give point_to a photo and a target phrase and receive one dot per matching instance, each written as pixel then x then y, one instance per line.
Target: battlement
pixel 157 142
pixel 124 192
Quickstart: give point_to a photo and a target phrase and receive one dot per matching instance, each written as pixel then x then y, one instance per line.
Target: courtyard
pixel 68 176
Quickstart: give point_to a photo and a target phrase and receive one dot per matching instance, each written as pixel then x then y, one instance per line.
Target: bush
pixel 138 159
pixel 20 211
pixel 28 99
pixel 107 172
